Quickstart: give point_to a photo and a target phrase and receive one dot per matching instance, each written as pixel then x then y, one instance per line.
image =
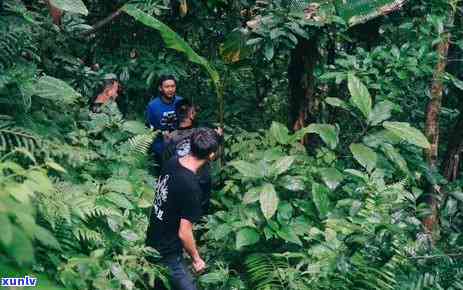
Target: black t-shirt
pixel 177 196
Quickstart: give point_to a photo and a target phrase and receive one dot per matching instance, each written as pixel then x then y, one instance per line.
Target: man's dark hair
pixel 182 108
pixel 164 78
pixel 204 142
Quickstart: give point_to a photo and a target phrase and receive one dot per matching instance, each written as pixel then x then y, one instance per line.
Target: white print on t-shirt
pixel 183 148
pixel 161 195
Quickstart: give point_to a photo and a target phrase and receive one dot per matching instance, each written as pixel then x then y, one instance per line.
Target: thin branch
pixel 103 22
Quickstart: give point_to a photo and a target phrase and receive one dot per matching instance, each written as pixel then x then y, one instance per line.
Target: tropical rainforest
pixel 340 167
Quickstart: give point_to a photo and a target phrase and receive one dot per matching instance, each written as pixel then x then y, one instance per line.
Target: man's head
pixel 167 86
pixel 185 112
pixel 204 144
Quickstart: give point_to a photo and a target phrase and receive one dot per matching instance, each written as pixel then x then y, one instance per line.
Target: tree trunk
pixel 432 124
pixel 302 103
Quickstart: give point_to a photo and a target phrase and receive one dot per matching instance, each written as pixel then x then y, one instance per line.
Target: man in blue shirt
pixel 160 113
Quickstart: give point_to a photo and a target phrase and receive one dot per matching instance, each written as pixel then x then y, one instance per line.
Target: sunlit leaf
pixel 246 236
pixel 321 199
pixel 331 177
pixel 360 97
pixel 408 133
pixel 73 6
pixel 364 155
pixel 268 200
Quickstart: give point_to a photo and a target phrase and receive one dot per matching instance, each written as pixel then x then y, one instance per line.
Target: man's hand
pixel 199 265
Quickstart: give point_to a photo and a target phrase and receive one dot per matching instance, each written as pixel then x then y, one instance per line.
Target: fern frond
pixel 12 137
pixel 142 143
pixel 85 234
pixel 265 271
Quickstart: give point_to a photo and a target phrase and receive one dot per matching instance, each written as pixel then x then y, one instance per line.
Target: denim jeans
pixel 180 276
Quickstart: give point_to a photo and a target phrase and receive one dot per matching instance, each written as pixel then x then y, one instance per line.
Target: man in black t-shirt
pixel 177 207
pixel 178 144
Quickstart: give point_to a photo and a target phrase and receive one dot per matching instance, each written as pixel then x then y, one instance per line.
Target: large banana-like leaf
pixel 173 40
pixel 352 11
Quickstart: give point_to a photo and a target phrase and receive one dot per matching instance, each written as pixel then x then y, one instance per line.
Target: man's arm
pixel 185 233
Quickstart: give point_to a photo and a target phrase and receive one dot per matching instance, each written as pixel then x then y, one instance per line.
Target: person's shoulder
pixel 154 102
pixel 178 98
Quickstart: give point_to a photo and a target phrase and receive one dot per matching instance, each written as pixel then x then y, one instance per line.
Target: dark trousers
pixel 180 276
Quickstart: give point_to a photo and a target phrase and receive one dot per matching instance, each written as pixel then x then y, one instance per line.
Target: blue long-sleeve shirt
pixel 161 116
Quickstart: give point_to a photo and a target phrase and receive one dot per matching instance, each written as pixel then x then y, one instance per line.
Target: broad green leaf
pixel 72 6
pixel 336 102
pixel 119 200
pixel 395 157
pixel 27 223
pixel 376 139
pixel 288 234
pixel 21 192
pixel 407 133
pixel 46 238
pixel 357 173
pixel 252 195
pixel 269 50
pixel 282 165
pixel 130 235
pixel 360 95
pixel 321 199
pixel 268 200
pixel 174 41
pixel 279 133
pixel 246 236
pixel 293 183
pixel 364 155
pixel 247 169
pixel 328 133
pixel 285 211
pixel 21 250
pixel 457 195
pixel 380 113
pixel 331 177
pixel 222 231
pixel 40 180
pixel 6 237
pixel 55 90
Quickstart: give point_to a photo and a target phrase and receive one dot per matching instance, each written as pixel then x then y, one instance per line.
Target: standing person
pixel 177 207
pixel 178 144
pixel 160 113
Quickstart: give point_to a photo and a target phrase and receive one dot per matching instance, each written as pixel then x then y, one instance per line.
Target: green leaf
pixel 46 238
pixel 55 166
pixel 118 185
pixel 328 133
pixel 246 236
pixel 247 169
pixel 134 127
pixel 331 177
pixel 268 200
pixel 380 113
pixel 457 82
pixel 39 181
pixel 292 183
pixel 7 230
pixel 279 133
pixel 130 235
pixel 395 157
pixel 364 155
pixel 235 47
pixel 21 250
pixel 360 95
pixel 173 40
pixel 222 231
pixel 55 90
pixel 288 234
pixel 282 165
pixel 72 6
pixel 321 200
pixel 119 200
pixel 269 50
pixel 336 102
pixel 408 133
pixel 252 195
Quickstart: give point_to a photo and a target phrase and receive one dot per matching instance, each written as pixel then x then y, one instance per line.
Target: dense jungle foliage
pixel 343 137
